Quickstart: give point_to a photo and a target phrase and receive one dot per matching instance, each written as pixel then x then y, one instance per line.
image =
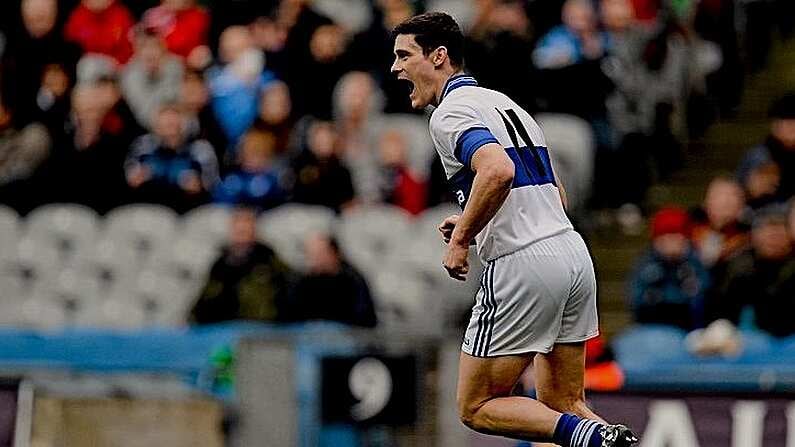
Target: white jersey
pixel 468 117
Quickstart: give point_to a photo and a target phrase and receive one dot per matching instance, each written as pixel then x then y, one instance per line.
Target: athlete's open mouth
pixel 411 83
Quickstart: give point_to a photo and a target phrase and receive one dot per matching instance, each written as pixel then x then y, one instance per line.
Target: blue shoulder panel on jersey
pixel 470 141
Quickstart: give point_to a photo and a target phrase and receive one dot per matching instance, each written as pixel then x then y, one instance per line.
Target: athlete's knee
pixel 470 415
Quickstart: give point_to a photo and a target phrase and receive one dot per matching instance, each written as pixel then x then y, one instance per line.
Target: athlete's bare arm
pixel 494 173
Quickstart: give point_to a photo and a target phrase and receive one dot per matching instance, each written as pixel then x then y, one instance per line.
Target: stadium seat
pixel 109 265
pixel 401 301
pixel 285 228
pixel 415 128
pixel 188 263
pixel 161 299
pixel 425 257
pixel 571 146
pixel 462 11
pixel 35 264
pixel 373 237
pixel 145 228
pixel 644 346
pixel 41 312
pixel 73 297
pixel 353 15
pixel 71 229
pixel 208 223
pixel 9 231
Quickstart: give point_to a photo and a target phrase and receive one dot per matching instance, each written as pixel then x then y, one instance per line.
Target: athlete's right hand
pixel 447 226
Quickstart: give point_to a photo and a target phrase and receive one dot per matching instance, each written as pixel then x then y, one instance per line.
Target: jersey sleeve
pixel 458 131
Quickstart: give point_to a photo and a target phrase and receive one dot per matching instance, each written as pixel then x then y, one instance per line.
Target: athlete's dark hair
pixel 432 30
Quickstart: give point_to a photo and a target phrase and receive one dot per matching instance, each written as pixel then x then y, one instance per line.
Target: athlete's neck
pixel 440 89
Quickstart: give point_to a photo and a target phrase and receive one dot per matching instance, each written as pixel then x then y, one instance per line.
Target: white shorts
pixel 533 298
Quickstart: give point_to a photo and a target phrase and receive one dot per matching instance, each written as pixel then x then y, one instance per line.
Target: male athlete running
pixel 537 301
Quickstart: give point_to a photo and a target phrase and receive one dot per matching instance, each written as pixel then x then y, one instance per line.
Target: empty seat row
pixel 142 264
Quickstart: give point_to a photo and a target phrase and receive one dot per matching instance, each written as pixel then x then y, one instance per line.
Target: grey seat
pixel 420 146
pixel 208 223
pixel 71 229
pixel 373 237
pixel 286 228
pixel 353 15
pixel 108 264
pixel 160 299
pixel 35 264
pixel 462 11
pixel 145 228
pixel 401 301
pixel 571 147
pixel 73 297
pixel 188 264
pixel 425 253
pixel 9 231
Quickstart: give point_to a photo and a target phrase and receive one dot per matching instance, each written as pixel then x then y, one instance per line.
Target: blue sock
pixel 573 431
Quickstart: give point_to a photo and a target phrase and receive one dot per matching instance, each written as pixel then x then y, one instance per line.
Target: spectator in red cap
pixel 668 283
pixel 103 27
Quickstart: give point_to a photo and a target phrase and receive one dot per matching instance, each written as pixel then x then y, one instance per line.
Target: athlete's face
pixel 417 68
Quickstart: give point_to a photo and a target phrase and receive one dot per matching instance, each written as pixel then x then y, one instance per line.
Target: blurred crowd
pixel 257 103
pixel 733 258
pixel 179 102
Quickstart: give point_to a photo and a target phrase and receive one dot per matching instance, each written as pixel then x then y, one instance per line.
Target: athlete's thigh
pixel 483 378
pixel 560 374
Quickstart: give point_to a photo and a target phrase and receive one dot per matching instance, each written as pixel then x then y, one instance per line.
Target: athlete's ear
pixel 439 56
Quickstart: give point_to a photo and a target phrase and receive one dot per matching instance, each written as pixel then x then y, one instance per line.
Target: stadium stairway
pixel 717 152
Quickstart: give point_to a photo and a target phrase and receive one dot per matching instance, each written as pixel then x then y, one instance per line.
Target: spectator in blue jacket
pixel 236 86
pixel 669 282
pixel 257 181
pixel 166 167
pixel 577 40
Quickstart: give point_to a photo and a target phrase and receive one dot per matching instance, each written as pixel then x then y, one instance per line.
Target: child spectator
pixel 320 177
pixel 668 283
pixel 168 168
pixel 247 282
pixel 332 289
pixel 151 78
pixel 103 27
pixel 256 182
pixel 276 114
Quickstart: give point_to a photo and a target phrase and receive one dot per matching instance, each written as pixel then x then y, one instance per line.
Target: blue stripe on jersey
pixel 527 170
pixel 457 81
pixel 470 141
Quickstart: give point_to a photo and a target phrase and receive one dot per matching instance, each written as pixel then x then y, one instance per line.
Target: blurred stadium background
pixel 217 218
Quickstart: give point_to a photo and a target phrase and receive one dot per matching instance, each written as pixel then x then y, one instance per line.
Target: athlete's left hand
pixel 455 261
